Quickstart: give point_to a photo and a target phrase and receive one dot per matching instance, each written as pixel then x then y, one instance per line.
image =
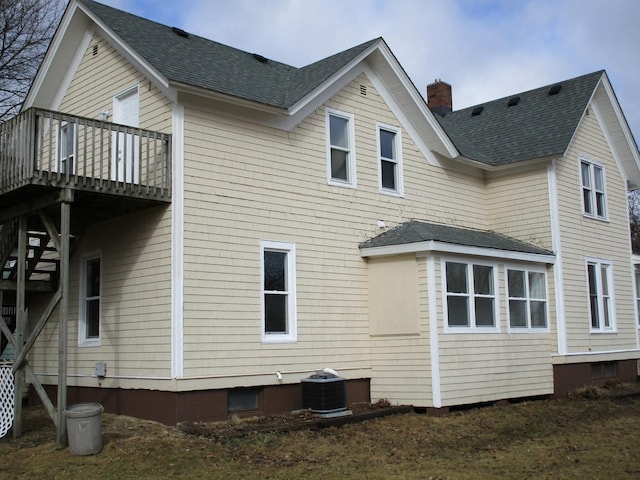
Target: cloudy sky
pixel 486 49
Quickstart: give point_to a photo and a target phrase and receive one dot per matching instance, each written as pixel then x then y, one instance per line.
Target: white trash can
pixel 84 428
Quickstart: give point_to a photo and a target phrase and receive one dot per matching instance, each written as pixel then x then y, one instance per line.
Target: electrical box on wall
pixel 101 369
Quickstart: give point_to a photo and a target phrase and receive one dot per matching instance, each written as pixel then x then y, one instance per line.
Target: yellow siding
pixel 481 367
pixel 401 370
pixel 518 205
pixel 135 252
pixel 585 237
pixel 245 183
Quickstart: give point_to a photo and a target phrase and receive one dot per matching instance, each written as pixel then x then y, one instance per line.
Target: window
pixel 390 160
pixel 593 195
pixel 527 299
pixel 89 329
pixel 66 148
pixel 470 291
pixel 278 292
pixel 600 295
pixel 341 165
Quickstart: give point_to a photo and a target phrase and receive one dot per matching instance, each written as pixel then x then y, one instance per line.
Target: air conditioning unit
pixel 324 393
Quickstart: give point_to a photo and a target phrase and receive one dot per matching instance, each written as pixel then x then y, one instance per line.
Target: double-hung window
pixel 593 192
pixel 527 299
pixel 470 296
pixel 90 301
pixel 341 165
pixel 390 160
pixel 599 279
pixel 278 292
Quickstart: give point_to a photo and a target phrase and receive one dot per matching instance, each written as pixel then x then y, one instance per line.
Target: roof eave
pixel 443 247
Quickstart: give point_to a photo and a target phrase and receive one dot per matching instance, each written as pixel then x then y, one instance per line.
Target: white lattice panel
pixel 6 398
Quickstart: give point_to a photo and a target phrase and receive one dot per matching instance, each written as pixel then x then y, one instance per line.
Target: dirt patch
pixel 237 427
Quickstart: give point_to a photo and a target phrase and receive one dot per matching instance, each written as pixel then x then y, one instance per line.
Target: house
pixel 203 228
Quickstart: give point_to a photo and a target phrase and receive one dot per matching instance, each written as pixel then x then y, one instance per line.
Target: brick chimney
pixel 439 97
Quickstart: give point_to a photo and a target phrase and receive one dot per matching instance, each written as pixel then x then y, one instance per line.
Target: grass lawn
pixel 584 438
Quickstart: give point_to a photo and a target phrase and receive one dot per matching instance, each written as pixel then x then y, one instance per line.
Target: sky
pixel 486 49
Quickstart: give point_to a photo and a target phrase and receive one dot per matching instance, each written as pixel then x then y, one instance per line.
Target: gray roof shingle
pixel 415 231
pixel 538 126
pixel 203 63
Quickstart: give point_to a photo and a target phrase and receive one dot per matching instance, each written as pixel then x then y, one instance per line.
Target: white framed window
pixel 341 153
pixel 470 296
pixel 390 177
pixel 66 151
pixel 600 287
pixel 278 273
pixel 527 297
pixel 594 202
pixel 90 311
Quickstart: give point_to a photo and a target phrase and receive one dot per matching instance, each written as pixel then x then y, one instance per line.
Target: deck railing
pixel 43 147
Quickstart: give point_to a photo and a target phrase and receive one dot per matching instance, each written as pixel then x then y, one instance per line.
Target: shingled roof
pixel 534 124
pixel 202 63
pixel 415 231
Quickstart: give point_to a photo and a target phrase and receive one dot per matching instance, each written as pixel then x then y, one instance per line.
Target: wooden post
pixel 20 308
pixel 65 231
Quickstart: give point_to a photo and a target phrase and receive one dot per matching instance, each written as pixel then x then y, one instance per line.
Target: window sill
pixel 528 331
pixel 471 330
pixel 603 332
pixel 275 339
pixel 89 343
pixel 593 217
pixel 392 193
pixel 338 183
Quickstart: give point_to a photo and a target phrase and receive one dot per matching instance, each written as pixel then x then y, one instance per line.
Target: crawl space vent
pixel 324 393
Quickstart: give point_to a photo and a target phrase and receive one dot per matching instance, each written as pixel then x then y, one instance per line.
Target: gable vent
pixel 513 101
pixel 95 50
pixel 179 32
pixel 555 89
pixel 476 111
pixel 260 58
pixel 363 90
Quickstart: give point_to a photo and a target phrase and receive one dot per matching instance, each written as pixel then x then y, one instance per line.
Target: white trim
pixel 83 341
pixel 291 335
pixel 409 126
pixel 397 151
pixel 177 244
pixel 574 357
pixel 599 263
pixel 434 246
pixel 432 295
pixel 556 244
pixel 526 269
pixel 71 71
pixel 351 181
pixel 471 295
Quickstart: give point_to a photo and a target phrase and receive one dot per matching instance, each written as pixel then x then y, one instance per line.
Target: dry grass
pixel 571 439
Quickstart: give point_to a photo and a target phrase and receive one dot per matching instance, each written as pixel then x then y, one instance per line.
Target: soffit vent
pixel 513 101
pixel 476 111
pixel 554 90
pixel 179 32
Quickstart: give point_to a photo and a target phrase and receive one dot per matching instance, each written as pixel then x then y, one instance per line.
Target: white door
pixel 125 166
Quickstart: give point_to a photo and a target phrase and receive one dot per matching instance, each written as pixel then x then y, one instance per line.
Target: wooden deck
pixel 52 149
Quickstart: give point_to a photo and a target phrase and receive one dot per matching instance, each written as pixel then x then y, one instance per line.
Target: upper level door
pixel 125 165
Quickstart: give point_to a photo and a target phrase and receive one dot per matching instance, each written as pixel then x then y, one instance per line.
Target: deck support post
pixel 20 323
pixel 65 232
